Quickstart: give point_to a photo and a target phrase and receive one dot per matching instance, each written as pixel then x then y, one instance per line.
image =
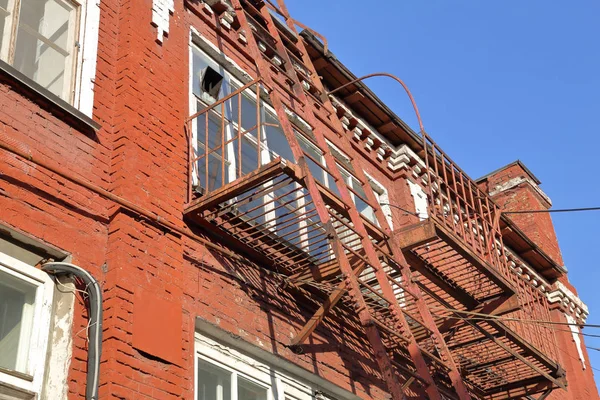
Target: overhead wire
pixel 518 319
pixel 560 210
pixel 501 318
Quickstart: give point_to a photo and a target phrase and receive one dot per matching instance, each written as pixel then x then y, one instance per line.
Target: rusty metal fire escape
pixel 299 216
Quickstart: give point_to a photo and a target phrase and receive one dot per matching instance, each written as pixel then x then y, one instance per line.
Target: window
pixel 25 310
pixel 223 373
pixel 216 383
pixel 237 136
pixel 39 38
pixel 54 43
pixel 359 197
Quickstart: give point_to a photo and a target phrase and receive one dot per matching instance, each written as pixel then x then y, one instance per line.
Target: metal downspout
pixel 95 321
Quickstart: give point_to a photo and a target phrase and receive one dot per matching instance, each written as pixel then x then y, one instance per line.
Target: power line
pixel 404 209
pixel 560 210
pixel 492 318
pixel 500 318
pixel 577 359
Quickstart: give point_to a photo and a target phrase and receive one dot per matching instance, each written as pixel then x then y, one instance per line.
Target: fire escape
pixel 312 216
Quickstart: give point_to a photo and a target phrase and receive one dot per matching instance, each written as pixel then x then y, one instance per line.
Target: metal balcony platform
pixel 270 216
pixel 493 356
pixel 445 260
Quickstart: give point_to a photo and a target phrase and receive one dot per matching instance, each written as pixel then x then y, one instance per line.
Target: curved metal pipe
pixel 95 321
pixel 410 96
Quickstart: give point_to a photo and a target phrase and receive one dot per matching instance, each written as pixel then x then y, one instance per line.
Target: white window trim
pixel 85 73
pixel 381 192
pixel 298 376
pixel 420 200
pixel 266 154
pixel 279 385
pixel 41 325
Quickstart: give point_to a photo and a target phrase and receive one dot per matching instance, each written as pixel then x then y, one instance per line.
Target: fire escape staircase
pixel 284 218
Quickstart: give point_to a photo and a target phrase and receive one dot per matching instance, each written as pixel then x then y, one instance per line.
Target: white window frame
pixel 32 380
pixel 380 192
pixel 383 198
pixel 420 200
pixel 80 90
pixel 279 385
pixel 266 154
pixel 229 79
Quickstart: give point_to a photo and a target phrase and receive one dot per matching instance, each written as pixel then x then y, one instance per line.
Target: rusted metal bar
pixel 240 135
pixel 224 99
pixel 387 290
pixel 258 129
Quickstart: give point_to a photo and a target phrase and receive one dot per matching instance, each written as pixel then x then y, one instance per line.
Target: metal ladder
pixel 384 321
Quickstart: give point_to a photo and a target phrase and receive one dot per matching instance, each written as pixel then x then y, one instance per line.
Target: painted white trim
pixel 294 375
pixel 568 301
pixel 41 324
pixel 420 199
pixel 514 182
pixel 279 385
pixel 87 57
pixel 161 13
pixel 576 338
pixel 384 199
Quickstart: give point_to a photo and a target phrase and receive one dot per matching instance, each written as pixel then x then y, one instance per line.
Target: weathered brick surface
pixel 539 228
pixel 140 154
pixel 524 196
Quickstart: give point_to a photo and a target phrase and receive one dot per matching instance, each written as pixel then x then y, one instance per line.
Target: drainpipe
pixel 95 321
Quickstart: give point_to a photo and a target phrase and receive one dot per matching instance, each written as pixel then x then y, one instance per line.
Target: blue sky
pixel 495 81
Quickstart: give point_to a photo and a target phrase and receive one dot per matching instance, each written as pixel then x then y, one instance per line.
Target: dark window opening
pixel 210 82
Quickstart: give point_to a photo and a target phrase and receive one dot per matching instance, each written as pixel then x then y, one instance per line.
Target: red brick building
pixel 189 210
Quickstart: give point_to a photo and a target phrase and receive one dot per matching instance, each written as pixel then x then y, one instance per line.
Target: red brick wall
pixel 140 153
pixel 581 384
pixel 538 227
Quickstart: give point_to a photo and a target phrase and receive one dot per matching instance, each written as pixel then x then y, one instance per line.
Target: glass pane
pixel 248 114
pixel 249 154
pixel 219 169
pixel 45 41
pixel 16 318
pixel 250 391
pixel 199 64
pixel 287 212
pixel 310 149
pixel 214 383
pixel 276 140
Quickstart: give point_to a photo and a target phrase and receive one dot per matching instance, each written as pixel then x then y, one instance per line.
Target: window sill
pixel 8 391
pixel 46 99
pixel 17 374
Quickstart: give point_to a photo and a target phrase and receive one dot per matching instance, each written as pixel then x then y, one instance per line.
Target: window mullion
pixel 234 386
pixel 14 22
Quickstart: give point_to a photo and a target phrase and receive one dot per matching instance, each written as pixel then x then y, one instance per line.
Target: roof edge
pixel 517 162
pixel 312 40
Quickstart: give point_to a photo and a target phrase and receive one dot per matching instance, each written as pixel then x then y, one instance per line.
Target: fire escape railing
pixel 299 213
pixel 458 203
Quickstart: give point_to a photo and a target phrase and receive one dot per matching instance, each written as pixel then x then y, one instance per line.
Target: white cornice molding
pixel 514 182
pixel 568 301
